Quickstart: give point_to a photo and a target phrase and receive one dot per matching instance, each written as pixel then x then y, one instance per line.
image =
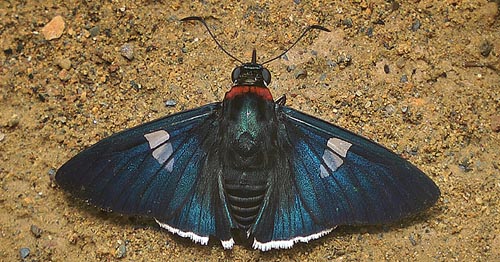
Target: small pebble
pixel 24 252
pixel 344 60
pixel 386 69
pixel 94 31
pixel 2 136
pixel 8 52
pixel 330 63
pixel 465 165
pixel 19 47
pixel 416 25
pixel 61 119
pixel 347 22
pixel 170 102
pixel 14 121
pixel 301 74
pixel 64 63
pixel 63 75
pixel 486 48
pixel 412 240
pixel 127 51
pixel 121 250
pixel 113 68
pixel 389 109
pixel 290 68
pixel 369 31
pixel 135 85
pixel 54 29
pixel 36 231
pixel 403 79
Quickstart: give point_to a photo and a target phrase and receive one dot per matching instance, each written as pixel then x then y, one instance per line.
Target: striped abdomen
pixel 245 198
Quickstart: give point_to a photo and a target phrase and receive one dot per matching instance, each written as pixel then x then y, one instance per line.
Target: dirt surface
pixel 420 77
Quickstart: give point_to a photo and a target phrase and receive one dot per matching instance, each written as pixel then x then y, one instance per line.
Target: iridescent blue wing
pixel 157 169
pixel 333 177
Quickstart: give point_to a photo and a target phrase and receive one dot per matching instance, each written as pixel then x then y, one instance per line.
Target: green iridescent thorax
pixel 247 118
pixel 250 125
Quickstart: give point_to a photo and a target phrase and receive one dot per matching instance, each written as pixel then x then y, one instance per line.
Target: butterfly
pixel 251 164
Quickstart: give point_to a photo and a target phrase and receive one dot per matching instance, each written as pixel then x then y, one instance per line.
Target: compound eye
pixel 235 74
pixel 266 75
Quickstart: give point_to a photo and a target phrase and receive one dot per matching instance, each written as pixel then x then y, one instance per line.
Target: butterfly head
pixel 251 74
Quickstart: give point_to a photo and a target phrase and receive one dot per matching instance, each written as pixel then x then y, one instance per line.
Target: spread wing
pixel 329 177
pixel 161 169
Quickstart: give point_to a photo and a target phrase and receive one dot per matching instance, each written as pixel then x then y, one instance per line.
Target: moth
pixel 248 164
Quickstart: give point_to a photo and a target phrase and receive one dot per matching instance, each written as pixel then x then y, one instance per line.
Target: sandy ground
pixel 420 77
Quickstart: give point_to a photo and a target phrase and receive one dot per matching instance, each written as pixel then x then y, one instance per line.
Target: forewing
pixel 353 180
pixel 156 169
pixel 335 177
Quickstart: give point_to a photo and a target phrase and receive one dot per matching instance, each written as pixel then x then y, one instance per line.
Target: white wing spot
pixel 163 153
pixel 331 155
pixel 162 149
pixel 332 161
pixel 157 138
pixel 339 146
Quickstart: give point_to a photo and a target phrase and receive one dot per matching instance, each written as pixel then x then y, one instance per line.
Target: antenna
pixel 200 19
pixel 309 28
pixel 197 18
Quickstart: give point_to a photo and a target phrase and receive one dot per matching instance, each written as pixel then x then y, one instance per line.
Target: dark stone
pixel 486 48
pixel 416 25
pixel 94 31
pixel 24 252
pixel 347 22
pixel 369 31
pixel 36 231
pixel 403 79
